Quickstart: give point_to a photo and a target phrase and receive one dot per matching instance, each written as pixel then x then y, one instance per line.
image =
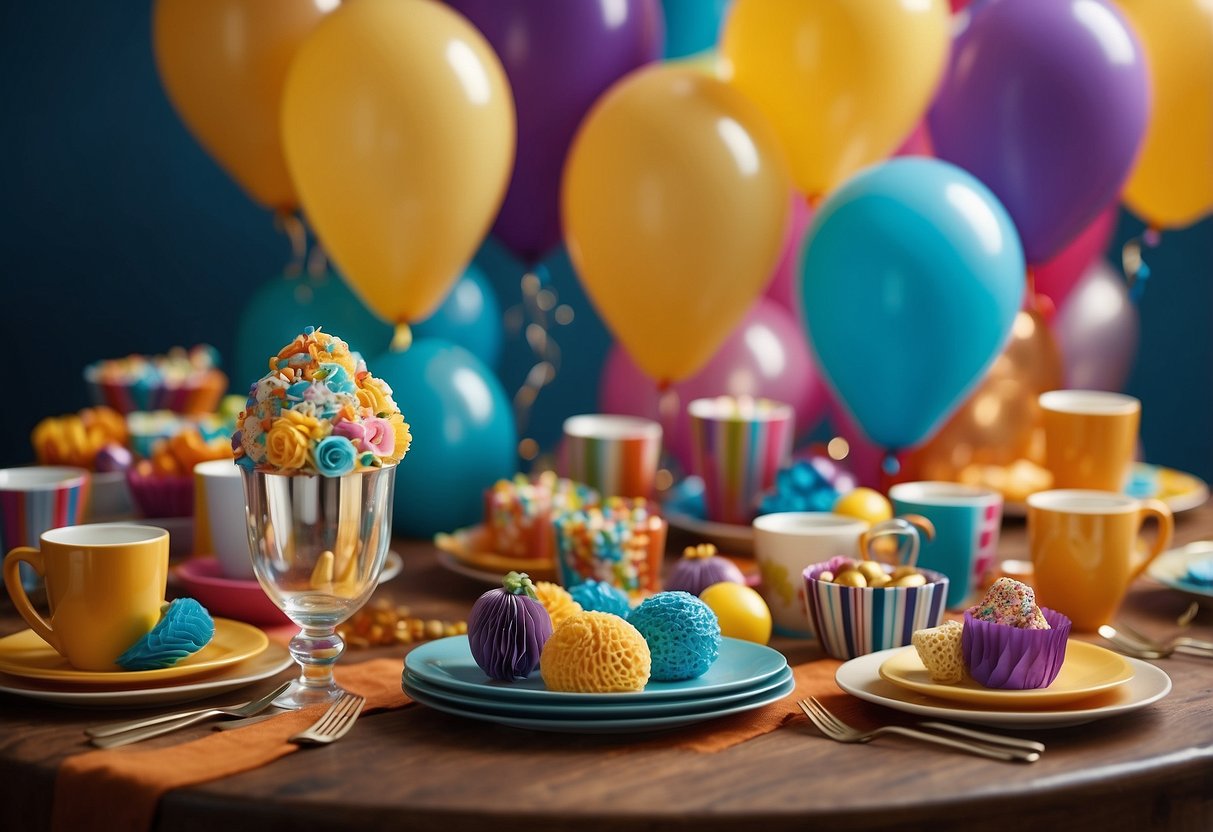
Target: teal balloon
pixel 692 26
pixel 911 278
pixel 463 435
pixel 469 316
pixel 281 308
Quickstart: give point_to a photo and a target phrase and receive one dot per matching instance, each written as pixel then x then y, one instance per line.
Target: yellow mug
pixel 1084 547
pixel 104 586
pixel 1090 437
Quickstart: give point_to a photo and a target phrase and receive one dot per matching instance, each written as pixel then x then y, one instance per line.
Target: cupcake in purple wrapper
pixel 1009 643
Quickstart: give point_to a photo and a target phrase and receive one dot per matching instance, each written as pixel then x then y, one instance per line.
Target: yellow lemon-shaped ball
pixel 742 612
pixel 866 504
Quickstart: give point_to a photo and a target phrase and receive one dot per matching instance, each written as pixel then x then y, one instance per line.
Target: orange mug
pixel 1084 547
pixel 1090 437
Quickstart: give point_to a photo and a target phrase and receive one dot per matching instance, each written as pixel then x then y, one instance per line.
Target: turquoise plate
pixel 633 707
pixel 609 724
pixel 448 663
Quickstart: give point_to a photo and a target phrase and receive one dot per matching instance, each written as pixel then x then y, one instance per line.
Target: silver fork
pixel 1130 642
pixel 125 733
pixel 335 723
pixel 837 730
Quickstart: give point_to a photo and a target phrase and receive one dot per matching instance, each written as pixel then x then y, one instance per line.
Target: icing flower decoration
pixel 319 411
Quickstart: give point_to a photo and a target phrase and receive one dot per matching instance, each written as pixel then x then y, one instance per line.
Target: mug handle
pixel 12 582
pixel 1166 526
pixel 910 526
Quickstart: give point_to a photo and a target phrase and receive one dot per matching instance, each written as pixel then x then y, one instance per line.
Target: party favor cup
pixel 37 499
pixel 853 621
pixel 738 445
pixel 615 455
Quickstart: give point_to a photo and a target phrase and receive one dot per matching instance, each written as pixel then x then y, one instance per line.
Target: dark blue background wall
pixel 118 234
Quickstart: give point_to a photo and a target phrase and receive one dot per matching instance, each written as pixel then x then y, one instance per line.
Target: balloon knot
pixel 402 339
pixel 891 465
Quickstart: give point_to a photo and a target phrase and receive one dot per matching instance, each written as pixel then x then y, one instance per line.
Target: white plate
pixel 449 562
pixel 270 662
pixel 861 678
pixel 1171 568
pixel 1179 490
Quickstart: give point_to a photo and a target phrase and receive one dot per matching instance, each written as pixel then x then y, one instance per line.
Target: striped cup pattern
pixel 615 455
pixel 854 621
pixel 36 499
pixel 738 446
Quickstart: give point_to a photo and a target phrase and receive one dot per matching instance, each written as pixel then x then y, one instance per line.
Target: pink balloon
pixel 917 143
pixel 1058 276
pixel 783 286
pixel 1097 331
pixel 766 356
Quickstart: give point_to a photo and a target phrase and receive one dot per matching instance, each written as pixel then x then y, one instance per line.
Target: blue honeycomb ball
pixel 184 628
pixel 596 596
pixel 682 632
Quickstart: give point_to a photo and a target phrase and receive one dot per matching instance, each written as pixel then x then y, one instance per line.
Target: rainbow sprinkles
pixel 319 411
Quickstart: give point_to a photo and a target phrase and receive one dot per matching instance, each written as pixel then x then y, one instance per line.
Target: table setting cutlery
pixel 1006 749
pixel 1132 643
pixel 115 735
pixel 335 723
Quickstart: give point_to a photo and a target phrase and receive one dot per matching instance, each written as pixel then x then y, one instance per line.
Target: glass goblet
pixel 318 545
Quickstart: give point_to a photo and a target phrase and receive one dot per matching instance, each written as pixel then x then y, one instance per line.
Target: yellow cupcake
pixel 595 652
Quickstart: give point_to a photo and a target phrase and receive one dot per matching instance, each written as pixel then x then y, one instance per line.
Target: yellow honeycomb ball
pixel 866 504
pixel 595 652
pixel 556 600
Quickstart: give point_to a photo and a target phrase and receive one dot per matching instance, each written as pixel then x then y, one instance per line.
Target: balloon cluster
pixel 754 161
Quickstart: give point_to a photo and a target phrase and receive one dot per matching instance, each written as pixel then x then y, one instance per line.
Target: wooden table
pixel 418 769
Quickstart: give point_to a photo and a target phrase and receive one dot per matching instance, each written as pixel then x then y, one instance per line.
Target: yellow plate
pixel 1087 670
pixel 25 654
pixel 471 547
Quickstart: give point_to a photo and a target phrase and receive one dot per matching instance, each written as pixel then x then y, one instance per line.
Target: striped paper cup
pixel 37 499
pixel 738 445
pixel 615 455
pixel 853 621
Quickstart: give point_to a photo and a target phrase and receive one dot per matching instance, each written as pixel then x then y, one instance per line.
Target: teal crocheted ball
pixel 596 596
pixel 682 632
pixel 184 628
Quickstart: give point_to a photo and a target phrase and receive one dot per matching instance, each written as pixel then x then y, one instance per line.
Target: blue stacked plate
pixel 443 675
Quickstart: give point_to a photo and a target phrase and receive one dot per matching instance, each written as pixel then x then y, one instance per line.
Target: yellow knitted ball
pixel 556 600
pixel 595 652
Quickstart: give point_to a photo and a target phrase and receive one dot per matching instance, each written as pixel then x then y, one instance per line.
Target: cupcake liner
pixel 1010 658
pixel 159 495
pixel 853 621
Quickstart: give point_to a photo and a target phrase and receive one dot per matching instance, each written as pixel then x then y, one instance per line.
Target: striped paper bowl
pixel 853 621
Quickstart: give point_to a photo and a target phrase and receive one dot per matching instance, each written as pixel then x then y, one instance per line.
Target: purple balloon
pixel 766 356
pixel 1096 330
pixel 559 55
pixel 1046 102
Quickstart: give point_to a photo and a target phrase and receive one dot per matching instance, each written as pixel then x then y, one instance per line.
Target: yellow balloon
pixel 675 199
pixel 223 64
pixel 843 81
pixel 1172 183
pixel 399 130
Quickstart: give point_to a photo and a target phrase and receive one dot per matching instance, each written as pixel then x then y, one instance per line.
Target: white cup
pixel 221 506
pixel 785 543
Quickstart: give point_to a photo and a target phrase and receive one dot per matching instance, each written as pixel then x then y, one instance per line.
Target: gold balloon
pixel 398 124
pixel 1000 423
pixel 843 82
pixel 1172 182
pixel 224 64
pixel 674 201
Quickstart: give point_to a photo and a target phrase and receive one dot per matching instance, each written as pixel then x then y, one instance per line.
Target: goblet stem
pixel 316 650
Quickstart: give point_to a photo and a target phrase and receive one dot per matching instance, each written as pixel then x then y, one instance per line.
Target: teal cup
pixel 966 519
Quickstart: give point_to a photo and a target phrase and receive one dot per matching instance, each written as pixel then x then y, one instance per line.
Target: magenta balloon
pixel 783 288
pixel 918 143
pixel 1096 330
pixel 559 55
pixel 766 356
pixel 864 458
pixel 1058 276
pixel 1046 102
